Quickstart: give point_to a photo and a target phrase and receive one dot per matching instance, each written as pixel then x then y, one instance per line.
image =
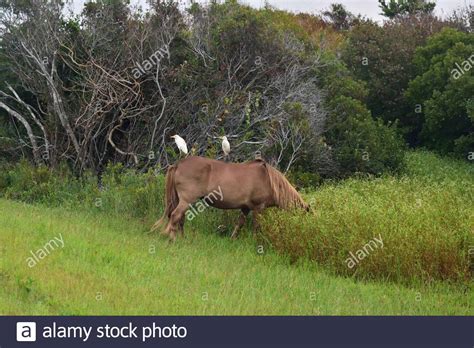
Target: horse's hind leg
pixel 176 219
pixel 243 215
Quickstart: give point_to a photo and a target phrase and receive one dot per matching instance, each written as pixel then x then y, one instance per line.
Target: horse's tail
pixel 171 197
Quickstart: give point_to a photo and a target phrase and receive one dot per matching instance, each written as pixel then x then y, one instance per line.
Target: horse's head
pixel 300 203
pixel 307 207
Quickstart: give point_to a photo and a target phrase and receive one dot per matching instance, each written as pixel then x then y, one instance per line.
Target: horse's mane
pixel 284 194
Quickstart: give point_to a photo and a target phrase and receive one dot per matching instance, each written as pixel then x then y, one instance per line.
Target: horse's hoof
pixel 165 232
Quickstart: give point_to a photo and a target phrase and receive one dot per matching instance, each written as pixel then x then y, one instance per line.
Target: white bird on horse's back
pixel 225 146
pixel 180 143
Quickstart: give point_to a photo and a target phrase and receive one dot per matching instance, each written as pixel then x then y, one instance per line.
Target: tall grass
pixel 424 217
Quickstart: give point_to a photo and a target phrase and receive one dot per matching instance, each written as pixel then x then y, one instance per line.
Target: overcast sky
pixel 367 8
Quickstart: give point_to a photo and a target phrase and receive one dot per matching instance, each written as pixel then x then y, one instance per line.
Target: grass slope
pixel 110 265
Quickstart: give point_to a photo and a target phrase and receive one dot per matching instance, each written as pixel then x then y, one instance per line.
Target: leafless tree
pixel 112 84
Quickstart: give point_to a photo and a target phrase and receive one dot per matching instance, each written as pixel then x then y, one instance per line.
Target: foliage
pixel 382 57
pixel 374 148
pixel 224 69
pixel 39 184
pixel 403 7
pixel 445 88
pixel 123 192
pixel 303 179
pixel 256 75
pixel 339 17
pixel 359 142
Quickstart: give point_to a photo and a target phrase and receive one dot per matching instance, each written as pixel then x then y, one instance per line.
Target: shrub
pixel 445 88
pixel 28 183
pixel 302 179
pixel 129 193
pixel 382 56
pixel 359 143
pixel 125 192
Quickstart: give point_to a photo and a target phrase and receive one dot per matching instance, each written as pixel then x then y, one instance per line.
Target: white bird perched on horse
pixel 181 144
pixel 225 146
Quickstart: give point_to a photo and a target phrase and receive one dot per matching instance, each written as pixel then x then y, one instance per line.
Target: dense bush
pixel 28 183
pixel 424 218
pixel 261 76
pixel 445 88
pixel 382 57
pixel 124 192
pixel 360 143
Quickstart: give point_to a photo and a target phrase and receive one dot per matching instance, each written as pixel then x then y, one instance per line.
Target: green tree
pixel 445 88
pixel 382 57
pixel 339 16
pixel 396 8
pixel 360 142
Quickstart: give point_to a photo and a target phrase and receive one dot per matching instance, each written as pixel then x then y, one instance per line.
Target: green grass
pixel 110 265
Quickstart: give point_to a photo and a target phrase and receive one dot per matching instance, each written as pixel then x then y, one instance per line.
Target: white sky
pixel 367 8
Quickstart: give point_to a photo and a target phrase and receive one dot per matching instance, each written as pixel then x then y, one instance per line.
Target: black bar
pixel 449 332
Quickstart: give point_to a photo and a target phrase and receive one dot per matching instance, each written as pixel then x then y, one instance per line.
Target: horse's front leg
pixel 181 225
pixel 243 215
pixel 255 213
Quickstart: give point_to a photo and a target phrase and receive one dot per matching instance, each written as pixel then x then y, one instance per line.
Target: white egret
pixel 180 143
pixel 225 146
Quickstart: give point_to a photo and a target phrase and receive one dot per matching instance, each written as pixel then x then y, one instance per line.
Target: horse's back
pixel 243 185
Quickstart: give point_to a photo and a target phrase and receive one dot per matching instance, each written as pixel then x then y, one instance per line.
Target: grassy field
pixel 109 264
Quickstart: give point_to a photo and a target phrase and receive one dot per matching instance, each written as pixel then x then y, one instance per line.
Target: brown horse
pixel 251 186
